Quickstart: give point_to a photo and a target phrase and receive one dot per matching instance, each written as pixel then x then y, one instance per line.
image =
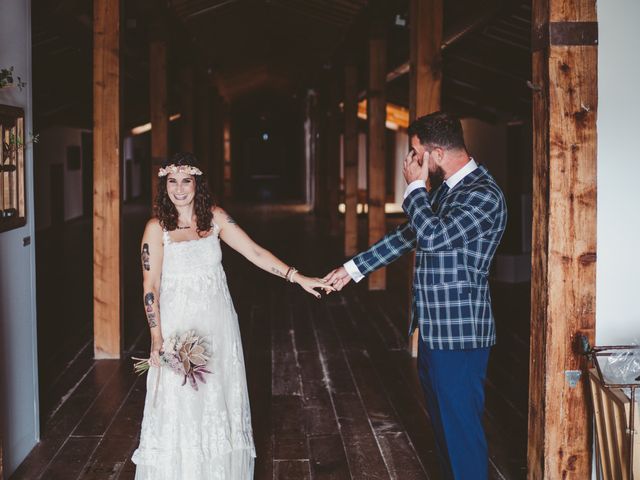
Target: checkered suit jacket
pixel 455 243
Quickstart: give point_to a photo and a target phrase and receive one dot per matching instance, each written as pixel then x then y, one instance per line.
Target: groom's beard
pixel 436 177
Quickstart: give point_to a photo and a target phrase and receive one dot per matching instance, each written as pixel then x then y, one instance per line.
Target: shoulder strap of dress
pixel 165 237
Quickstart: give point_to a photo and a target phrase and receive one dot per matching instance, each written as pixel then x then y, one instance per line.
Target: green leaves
pixel 7 79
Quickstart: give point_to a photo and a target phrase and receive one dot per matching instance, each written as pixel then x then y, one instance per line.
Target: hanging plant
pixel 16 142
pixel 7 79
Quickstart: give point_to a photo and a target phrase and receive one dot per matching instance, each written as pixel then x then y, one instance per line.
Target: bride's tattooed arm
pixel 149 301
pixel 237 239
pixel 151 253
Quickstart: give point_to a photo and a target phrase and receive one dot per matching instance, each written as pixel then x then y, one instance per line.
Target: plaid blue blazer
pixel 455 243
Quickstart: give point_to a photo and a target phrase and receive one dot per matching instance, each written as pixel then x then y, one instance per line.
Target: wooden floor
pixel 334 394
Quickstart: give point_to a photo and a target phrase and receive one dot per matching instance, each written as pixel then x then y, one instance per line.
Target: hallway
pixel 333 390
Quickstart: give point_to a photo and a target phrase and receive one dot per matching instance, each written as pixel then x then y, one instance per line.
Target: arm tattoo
pixel 277 272
pixel 149 300
pixel 231 220
pixel 145 257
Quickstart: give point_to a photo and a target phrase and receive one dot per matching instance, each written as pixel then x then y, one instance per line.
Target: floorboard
pixel 334 393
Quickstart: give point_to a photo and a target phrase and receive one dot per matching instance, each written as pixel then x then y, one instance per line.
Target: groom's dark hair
pixel 438 129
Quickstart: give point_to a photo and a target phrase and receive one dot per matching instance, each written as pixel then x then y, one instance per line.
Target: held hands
pixel 311 283
pixel 337 278
pixel 415 167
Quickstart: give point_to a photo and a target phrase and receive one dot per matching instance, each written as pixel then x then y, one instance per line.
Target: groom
pixel 455 229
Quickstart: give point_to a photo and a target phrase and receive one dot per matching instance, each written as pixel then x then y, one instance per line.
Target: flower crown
pixel 190 169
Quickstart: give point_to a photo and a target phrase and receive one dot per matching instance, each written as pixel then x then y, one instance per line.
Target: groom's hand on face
pixel 415 167
pixel 337 278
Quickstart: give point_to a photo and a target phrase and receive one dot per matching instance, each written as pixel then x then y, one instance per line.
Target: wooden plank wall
pixel 564 234
pixel 376 115
pixel 107 203
pixel 158 103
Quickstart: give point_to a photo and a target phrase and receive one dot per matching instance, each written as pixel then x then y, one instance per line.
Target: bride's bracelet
pixel 290 273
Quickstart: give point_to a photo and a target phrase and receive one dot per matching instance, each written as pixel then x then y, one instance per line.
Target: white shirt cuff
pixel 413 186
pixel 353 271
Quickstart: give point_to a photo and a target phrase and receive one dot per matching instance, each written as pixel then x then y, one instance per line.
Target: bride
pixel 205 433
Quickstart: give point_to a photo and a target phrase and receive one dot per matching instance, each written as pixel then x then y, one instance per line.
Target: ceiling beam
pixel 471 23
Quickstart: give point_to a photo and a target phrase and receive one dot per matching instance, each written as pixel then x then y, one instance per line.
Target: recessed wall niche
pixel 12 179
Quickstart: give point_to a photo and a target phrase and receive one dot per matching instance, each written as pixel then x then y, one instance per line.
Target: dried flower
pixel 185 355
pixel 190 169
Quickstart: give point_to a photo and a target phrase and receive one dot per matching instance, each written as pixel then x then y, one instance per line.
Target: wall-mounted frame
pixel 12 178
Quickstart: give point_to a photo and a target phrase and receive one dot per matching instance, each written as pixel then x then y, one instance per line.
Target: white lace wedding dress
pixel 205 434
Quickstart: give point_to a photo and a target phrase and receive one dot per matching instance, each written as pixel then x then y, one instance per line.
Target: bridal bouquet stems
pixel 184 354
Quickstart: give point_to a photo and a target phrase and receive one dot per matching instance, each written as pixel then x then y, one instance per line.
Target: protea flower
pixel 185 355
pixel 192 353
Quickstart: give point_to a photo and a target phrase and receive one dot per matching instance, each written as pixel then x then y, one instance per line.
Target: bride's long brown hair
pixel 203 202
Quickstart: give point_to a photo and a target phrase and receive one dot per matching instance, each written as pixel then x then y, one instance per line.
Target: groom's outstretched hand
pixel 337 278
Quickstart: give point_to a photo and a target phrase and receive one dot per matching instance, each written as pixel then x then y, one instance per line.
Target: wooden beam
pixel 425 78
pixel 564 235
pixel 377 114
pixel 107 203
pixel 321 143
pixel 425 58
pixel 333 153
pixel 471 22
pixel 228 171
pixel 158 104
pixel 350 155
pixel 187 110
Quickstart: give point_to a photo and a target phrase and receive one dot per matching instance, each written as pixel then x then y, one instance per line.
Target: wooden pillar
pixel 425 61
pixel 107 199
pixel 333 153
pixel 320 141
pixel 187 110
pixel 350 155
pixel 563 280
pixel 226 132
pixel 158 105
pixel 425 79
pixel 376 115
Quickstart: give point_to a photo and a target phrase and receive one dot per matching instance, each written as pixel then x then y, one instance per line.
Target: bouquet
pixel 184 354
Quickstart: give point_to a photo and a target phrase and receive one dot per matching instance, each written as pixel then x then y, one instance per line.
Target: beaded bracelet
pixel 290 273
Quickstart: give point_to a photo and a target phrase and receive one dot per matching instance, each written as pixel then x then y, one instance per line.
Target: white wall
pixel 50 150
pixel 618 266
pixel 18 375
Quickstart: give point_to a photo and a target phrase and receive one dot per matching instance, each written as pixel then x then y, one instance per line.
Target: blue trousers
pixel 453 384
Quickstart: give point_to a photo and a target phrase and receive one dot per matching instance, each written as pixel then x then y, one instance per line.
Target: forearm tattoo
pixel 149 300
pixel 278 272
pixel 145 257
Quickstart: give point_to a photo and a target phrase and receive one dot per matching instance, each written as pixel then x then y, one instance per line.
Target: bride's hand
pixel 311 283
pixel 156 347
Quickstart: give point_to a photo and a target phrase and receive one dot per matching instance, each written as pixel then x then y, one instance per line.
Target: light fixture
pixel 147 126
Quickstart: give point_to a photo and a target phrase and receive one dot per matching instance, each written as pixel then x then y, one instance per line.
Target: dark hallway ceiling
pixel 280 46
pixel 250 44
